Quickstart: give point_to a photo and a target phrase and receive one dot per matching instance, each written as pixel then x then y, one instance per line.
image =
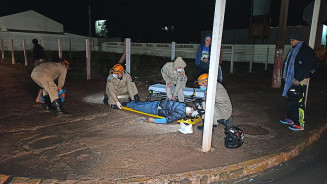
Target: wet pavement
pixel 97 144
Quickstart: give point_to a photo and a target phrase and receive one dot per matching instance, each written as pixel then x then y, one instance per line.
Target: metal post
pixel 128 55
pixel 213 71
pixel 267 60
pixel 173 50
pixel 278 59
pixel 59 48
pixel 313 30
pixel 313 33
pixel 251 58
pixel 231 70
pixel 25 53
pixel 70 49
pixel 12 53
pixel 2 51
pixel 88 59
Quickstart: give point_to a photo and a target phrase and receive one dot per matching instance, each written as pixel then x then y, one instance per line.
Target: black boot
pixel 137 98
pixel 226 122
pixel 202 127
pixel 57 108
pixel 105 99
pixel 47 103
pixel 114 106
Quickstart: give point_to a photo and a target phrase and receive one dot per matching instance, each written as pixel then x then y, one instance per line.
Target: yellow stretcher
pixel 185 121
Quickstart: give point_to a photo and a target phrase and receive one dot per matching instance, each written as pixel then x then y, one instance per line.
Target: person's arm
pixel 110 87
pixel 164 74
pixel 160 120
pixel 181 81
pixel 303 66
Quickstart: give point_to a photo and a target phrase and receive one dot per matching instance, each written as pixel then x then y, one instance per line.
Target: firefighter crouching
pixel 44 75
pixel 119 82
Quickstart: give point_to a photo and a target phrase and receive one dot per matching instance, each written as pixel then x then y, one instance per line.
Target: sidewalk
pixel 97 144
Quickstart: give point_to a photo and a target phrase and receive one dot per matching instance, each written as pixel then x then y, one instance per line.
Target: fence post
pixel 2 51
pixel 173 50
pixel 25 52
pixel 70 49
pixel 12 53
pixel 88 59
pixel 232 60
pixel 251 59
pixel 128 55
pixel 60 48
pixel 266 66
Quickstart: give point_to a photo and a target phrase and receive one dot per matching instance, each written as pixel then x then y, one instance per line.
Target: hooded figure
pixel 202 59
pixel 174 75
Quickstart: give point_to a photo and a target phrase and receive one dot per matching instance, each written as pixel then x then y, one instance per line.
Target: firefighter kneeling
pixel 119 82
pixel 222 113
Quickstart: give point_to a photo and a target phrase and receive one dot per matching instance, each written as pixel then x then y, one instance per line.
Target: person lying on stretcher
pixel 170 109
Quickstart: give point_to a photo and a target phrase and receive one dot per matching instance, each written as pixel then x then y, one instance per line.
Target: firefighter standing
pixel 174 75
pixel 44 75
pixel 119 82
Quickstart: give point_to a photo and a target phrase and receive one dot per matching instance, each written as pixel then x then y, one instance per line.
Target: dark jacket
pixel 172 110
pixel 305 60
pixel 38 52
pixel 169 109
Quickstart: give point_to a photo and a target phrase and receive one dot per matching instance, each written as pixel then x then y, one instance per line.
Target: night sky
pixel 142 20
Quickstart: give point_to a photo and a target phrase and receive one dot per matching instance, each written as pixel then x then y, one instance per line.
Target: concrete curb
pixel 199 176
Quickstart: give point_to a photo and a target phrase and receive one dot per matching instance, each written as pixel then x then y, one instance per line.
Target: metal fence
pixel 249 53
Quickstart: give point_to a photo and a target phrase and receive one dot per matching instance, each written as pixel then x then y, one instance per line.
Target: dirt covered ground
pixel 99 142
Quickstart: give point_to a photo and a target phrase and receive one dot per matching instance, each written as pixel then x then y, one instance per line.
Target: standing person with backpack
pixel 299 65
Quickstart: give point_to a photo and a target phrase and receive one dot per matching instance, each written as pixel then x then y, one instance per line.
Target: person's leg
pixel 147 107
pixel 180 93
pixel 105 99
pixel 169 92
pixel 47 101
pixel 134 93
pixel 111 100
pixel 49 87
pixel 293 111
pixel 52 90
pixel 302 107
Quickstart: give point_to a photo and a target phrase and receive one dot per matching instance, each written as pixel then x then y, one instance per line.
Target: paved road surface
pixel 310 167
